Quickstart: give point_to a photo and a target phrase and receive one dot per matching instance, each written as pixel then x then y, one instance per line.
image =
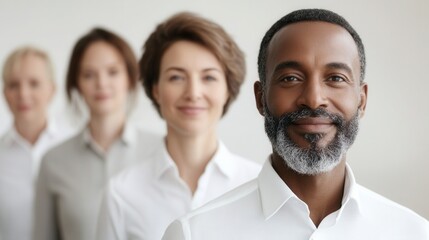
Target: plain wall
pixel 390 155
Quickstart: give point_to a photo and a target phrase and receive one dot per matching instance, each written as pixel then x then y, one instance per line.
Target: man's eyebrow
pixel 287 64
pixel 297 65
pixel 338 65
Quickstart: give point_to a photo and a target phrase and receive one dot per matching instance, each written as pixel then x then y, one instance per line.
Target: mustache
pixel 292 117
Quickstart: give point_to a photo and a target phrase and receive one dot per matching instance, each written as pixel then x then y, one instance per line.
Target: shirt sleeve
pixel 45 217
pixel 111 224
pixel 176 231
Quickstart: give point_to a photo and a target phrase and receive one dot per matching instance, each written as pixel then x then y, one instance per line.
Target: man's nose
pixel 313 95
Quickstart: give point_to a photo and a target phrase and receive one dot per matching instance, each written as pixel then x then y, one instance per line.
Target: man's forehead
pixel 312 39
pixel 306 29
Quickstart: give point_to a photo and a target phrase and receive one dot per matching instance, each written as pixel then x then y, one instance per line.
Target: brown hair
pixel 190 27
pixel 96 35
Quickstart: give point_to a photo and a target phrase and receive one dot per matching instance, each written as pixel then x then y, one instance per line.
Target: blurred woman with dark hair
pixel 103 71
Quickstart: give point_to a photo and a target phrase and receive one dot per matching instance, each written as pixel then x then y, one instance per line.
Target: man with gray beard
pixel 312 94
pixel 314 159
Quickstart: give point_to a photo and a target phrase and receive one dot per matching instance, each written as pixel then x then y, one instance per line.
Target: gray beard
pixel 313 160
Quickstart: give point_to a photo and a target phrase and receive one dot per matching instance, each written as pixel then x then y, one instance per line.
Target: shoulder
pixel 241 166
pixel 139 176
pixel 3 137
pixel 147 141
pixel 5 147
pixel 240 201
pixel 385 211
pixel 61 153
pixel 131 175
pixel 60 131
pixel 245 162
pixel 147 136
pixel 228 202
pixel 68 145
pixel 7 137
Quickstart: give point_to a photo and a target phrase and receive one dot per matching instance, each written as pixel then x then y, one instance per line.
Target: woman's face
pixel 192 89
pixel 29 89
pixel 103 79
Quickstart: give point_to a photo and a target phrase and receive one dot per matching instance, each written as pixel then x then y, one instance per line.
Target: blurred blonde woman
pixel 103 71
pixel 192 71
pixel 28 87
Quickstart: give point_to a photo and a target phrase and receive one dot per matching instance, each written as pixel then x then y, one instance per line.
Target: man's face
pixel 313 98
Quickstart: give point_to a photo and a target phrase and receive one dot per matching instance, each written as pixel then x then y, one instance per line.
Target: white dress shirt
pixel 19 164
pixel 141 202
pixel 266 208
pixel 72 178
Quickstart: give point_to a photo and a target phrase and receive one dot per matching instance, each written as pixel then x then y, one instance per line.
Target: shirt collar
pixel 275 193
pixel 128 136
pixel 52 129
pixel 162 159
pixel 12 136
pixel 351 198
pixel 221 160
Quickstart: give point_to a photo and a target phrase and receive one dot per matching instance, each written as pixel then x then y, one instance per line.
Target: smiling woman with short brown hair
pixel 191 70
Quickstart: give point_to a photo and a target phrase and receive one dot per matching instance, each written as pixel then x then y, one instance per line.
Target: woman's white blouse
pixel 72 178
pixel 142 201
pixel 19 164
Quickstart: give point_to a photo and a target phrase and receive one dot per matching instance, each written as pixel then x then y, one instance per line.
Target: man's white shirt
pixel 266 208
pixel 142 201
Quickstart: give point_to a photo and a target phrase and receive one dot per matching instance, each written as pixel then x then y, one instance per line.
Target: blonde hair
pixel 14 58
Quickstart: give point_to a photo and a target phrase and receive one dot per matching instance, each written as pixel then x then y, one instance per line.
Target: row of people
pixel 191 70
pixel 311 93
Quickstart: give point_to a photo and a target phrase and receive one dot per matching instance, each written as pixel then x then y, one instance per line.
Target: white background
pixel 390 155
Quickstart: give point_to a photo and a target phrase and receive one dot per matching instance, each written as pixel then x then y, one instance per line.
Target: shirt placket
pixel 101 155
pixel 37 152
pixel 110 162
pixel 30 152
pixel 199 197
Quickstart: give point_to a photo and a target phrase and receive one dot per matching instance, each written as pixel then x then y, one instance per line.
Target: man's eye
pixel 290 79
pixel 336 79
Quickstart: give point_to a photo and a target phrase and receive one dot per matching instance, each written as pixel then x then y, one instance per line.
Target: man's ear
pixel 259 96
pixel 363 99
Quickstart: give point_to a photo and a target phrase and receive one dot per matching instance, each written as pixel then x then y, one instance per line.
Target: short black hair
pixel 304 15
